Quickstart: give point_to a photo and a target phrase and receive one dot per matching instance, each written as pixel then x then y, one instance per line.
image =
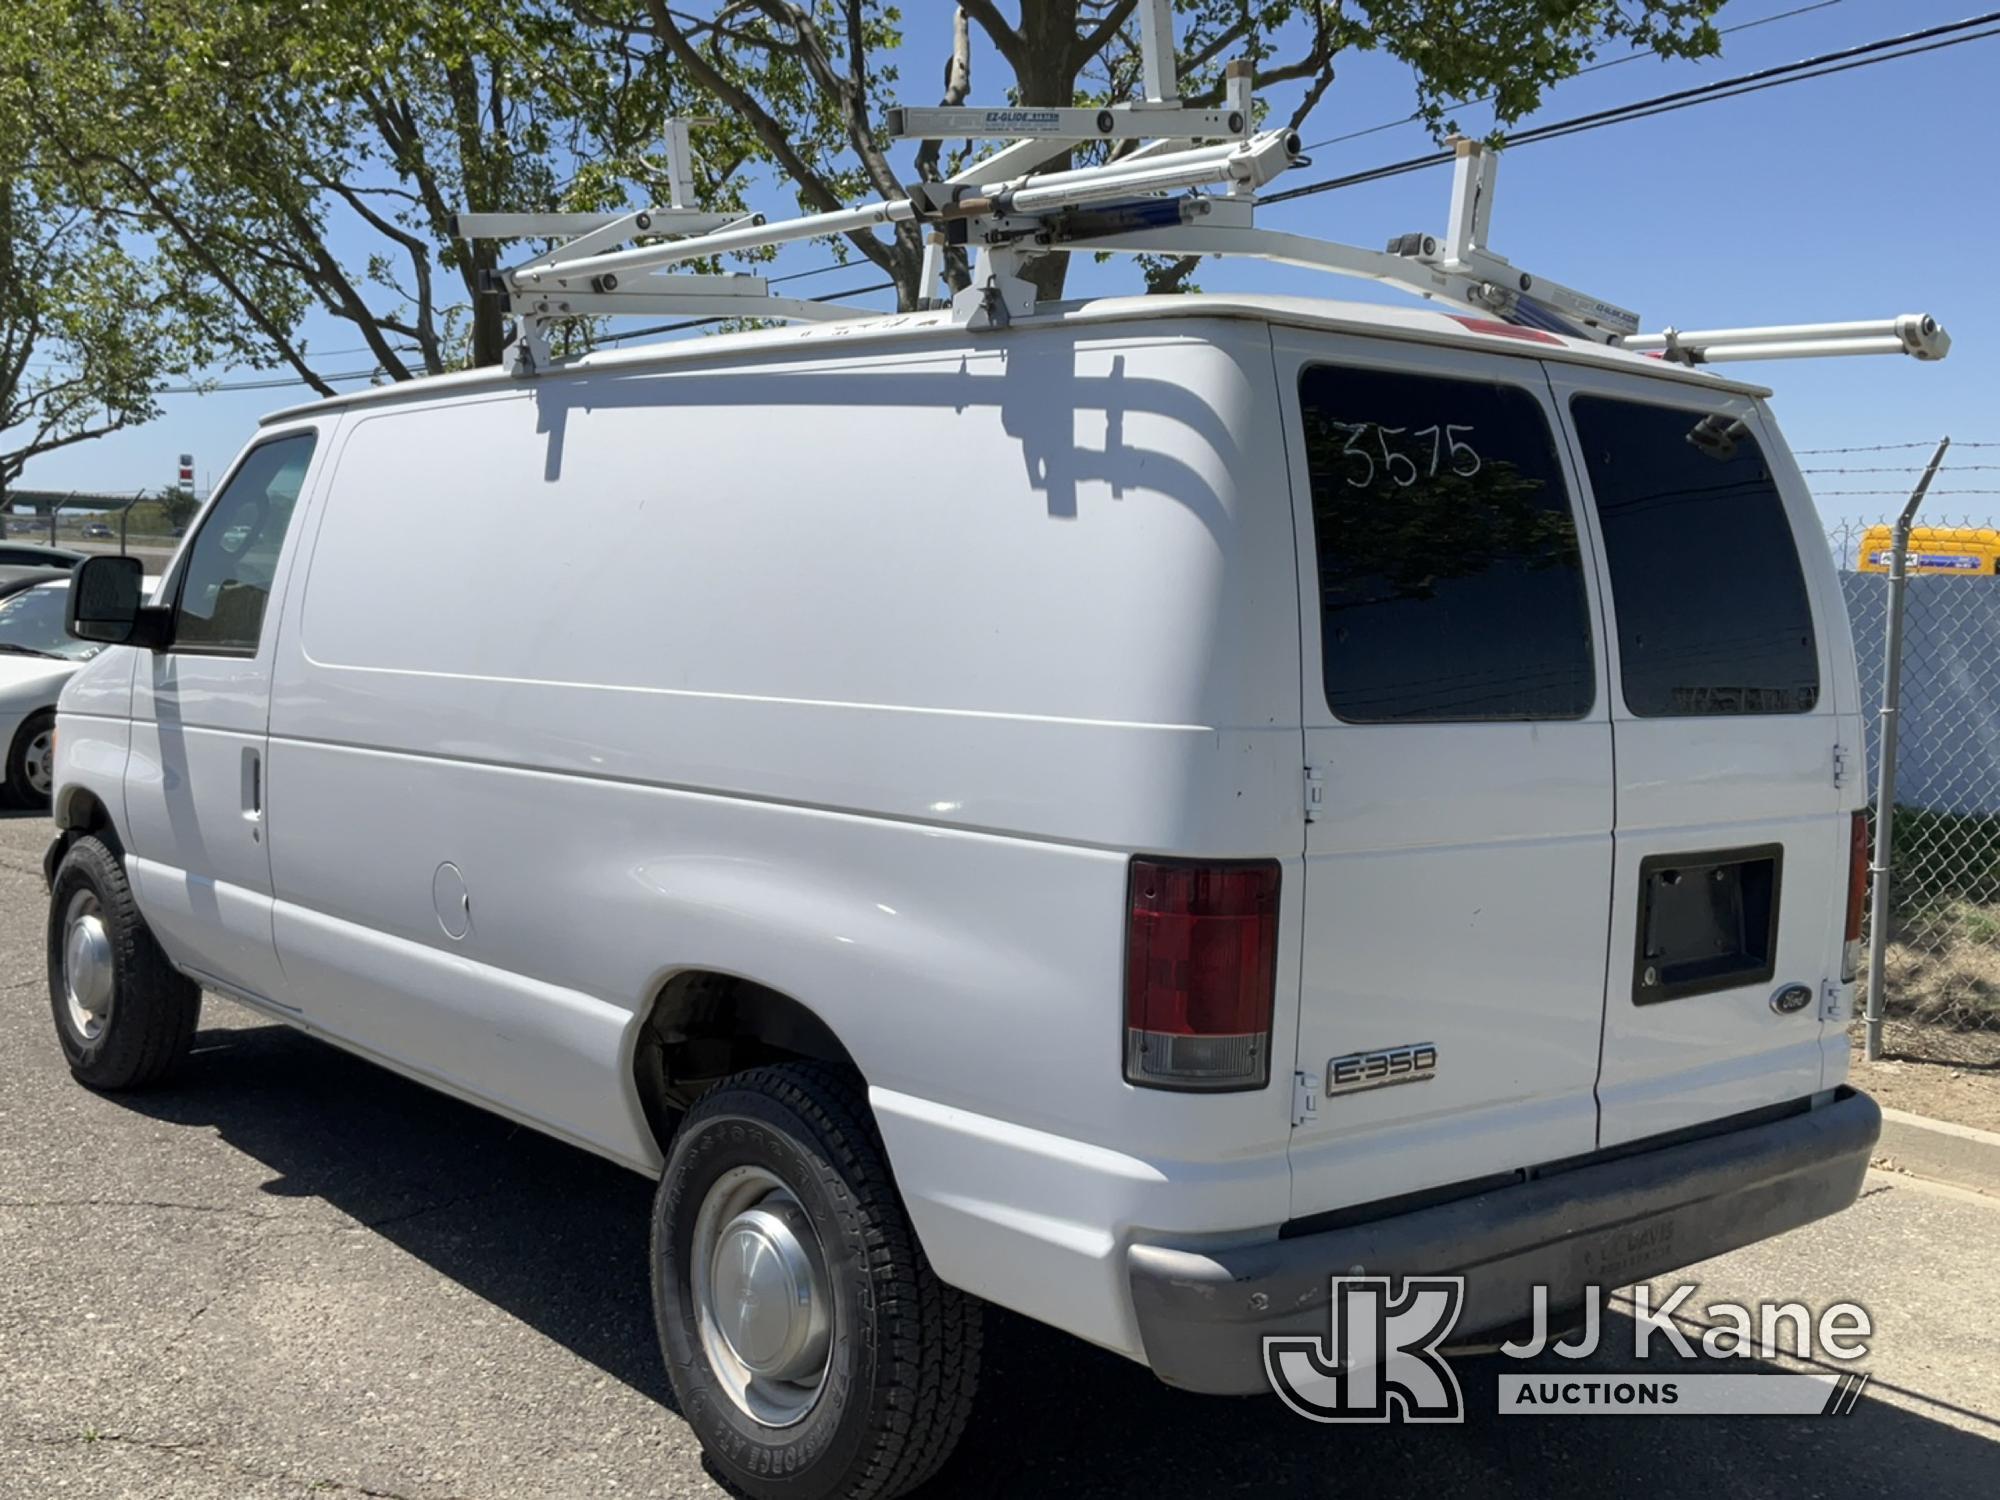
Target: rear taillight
pixel 1857 898
pixel 1201 960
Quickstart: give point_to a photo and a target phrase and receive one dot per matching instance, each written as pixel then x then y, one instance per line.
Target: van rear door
pixel 1456 728
pixel 1728 888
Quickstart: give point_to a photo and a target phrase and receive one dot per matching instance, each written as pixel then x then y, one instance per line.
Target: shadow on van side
pixel 1033 383
pixel 509 1215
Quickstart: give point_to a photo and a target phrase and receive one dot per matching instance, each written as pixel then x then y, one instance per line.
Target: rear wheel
pixel 31 761
pixel 124 1015
pixel 811 1347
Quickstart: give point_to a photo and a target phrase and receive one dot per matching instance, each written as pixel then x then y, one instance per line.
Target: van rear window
pixel 1713 614
pixel 1451 586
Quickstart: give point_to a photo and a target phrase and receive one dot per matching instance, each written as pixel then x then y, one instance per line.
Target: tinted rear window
pixel 1713 615
pixel 1450 582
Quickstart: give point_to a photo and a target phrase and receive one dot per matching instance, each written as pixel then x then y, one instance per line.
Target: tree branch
pixel 195 248
pixel 1089 46
pixel 957 85
pixel 13 462
pixel 1008 42
pixel 813 188
pixel 850 93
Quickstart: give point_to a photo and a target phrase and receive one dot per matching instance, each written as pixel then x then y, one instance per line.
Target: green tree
pixel 86 328
pixel 286 157
pixel 281 157
pixel 799 86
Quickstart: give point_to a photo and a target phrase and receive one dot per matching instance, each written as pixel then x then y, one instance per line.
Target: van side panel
pixel 861 678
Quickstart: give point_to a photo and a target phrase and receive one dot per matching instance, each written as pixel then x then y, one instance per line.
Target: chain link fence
pixel 1943 954
pixel 146 526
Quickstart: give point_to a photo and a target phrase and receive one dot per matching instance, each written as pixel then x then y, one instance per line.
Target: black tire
pixel 21 790
pixel 904 1349
pixel 147 1024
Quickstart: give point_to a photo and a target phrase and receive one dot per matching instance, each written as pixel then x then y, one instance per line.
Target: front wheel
pixel 810 1346
pixel 124 1015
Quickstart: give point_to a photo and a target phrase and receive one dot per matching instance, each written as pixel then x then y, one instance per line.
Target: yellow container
pixel 1968 551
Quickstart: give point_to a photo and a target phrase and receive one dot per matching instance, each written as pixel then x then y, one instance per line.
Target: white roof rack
pixel 1187 186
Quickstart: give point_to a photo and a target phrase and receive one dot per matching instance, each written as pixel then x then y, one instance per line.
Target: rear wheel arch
pixel 703 1026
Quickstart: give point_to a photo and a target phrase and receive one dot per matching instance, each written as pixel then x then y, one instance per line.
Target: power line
pixel 289 381
pixel 412 349
pixel 276 383
pixel 1951 34
pixel 1637 54
pixel 640 333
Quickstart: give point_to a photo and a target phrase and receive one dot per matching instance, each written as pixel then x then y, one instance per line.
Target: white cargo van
pixel 1123 815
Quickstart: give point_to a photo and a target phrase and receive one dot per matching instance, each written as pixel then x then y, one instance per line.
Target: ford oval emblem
pixel 1792 999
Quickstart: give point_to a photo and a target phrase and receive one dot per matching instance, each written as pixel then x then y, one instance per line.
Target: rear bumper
pixel 1204 1314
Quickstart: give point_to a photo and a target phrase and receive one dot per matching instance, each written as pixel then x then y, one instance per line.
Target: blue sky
pixel 1861 195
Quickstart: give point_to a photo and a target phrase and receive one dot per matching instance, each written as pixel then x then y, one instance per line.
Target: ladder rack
pixel 1182 181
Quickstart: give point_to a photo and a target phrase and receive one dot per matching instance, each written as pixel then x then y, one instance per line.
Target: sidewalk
pixel 1940 1151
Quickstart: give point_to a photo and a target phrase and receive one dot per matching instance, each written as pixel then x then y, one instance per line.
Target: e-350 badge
pixel 1357 1072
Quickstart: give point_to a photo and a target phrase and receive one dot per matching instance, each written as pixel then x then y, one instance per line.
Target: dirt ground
pixel 1929 1070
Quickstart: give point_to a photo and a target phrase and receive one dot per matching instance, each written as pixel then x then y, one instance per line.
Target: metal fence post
pixel 1885 776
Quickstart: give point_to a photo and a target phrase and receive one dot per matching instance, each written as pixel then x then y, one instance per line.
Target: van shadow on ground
pixel 509 1214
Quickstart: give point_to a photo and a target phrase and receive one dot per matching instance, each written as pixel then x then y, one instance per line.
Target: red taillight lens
pixel 1857 898
pixel 1201 961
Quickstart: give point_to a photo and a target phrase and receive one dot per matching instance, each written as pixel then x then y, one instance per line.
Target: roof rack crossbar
pixel 1180 181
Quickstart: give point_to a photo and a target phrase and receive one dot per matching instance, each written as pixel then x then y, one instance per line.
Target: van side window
pixel 227 579
pixel 1451 584
pixel 1713 614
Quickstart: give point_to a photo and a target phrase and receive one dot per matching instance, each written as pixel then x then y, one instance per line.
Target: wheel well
pixel 705 1026
pixel 81 812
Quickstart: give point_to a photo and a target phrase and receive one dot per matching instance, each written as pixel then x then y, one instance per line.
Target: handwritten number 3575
pixel 1445 443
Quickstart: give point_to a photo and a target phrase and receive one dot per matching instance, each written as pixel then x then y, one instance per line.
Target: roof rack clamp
pixel 998 293
pixel 529 352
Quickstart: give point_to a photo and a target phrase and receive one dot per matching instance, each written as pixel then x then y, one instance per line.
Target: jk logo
pixel 1379 1361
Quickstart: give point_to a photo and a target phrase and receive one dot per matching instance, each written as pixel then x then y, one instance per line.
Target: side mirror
pixel 104 604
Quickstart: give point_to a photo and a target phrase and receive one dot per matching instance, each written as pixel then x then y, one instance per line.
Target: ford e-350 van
pixel 1124 816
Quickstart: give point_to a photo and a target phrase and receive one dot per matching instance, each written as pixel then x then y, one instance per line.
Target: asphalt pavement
pixel 293 1274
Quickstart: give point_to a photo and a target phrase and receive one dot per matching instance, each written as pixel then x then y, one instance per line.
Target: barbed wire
pixel 1903 469
pixel 1890 447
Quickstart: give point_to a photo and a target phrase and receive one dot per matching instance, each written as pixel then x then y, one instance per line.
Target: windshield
pixel 31 624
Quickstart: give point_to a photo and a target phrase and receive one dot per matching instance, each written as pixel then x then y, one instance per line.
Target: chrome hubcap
pixel 35 763
pixel 762 1304
pixel 88 979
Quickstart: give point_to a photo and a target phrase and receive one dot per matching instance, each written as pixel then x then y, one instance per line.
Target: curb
pixel 1938 1149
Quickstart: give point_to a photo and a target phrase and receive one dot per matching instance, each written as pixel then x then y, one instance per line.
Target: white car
pixel 1126 815
pixel 37 656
